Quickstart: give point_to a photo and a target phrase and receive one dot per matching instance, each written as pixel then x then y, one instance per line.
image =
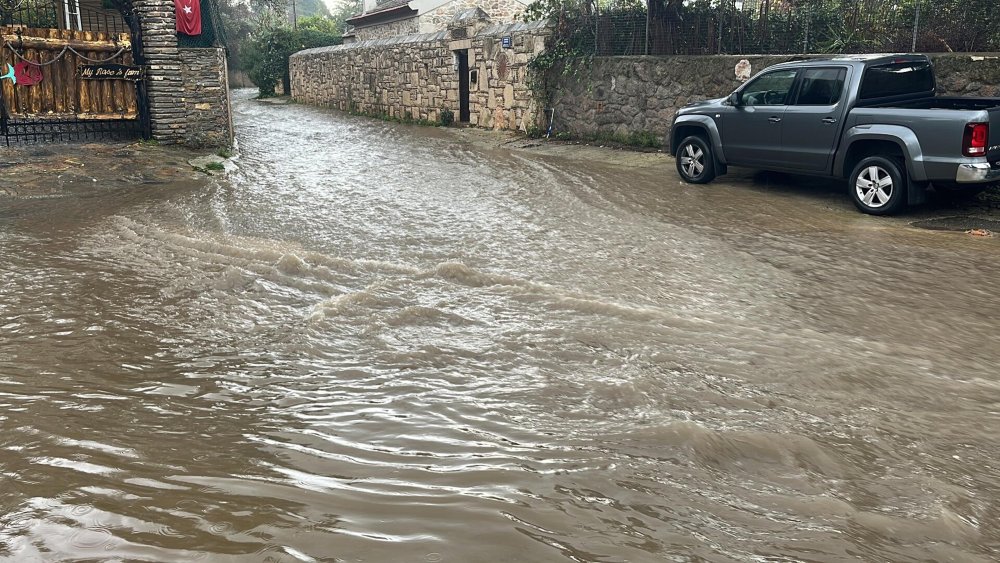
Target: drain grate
pixel 960 224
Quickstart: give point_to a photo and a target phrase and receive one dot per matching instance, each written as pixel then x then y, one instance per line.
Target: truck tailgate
pixel 993 150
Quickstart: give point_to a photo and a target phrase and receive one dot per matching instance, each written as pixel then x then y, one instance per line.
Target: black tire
pixel 695 161
pixel 878 185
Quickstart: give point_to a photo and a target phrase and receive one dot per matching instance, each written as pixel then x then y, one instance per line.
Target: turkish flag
pixel 188 16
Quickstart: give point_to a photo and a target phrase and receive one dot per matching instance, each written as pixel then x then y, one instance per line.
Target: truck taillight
pixel 976 135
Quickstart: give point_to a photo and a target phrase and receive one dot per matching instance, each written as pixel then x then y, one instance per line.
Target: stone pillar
pixel 206 97
pixel 165 84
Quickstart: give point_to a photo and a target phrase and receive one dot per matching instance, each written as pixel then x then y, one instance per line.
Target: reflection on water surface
pixel 386 343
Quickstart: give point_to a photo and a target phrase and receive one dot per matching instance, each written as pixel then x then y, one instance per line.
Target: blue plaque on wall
pixel 507 41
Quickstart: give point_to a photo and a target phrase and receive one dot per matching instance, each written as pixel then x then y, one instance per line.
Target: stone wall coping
pixel 791 56
pixel 385 42
pixel 489 31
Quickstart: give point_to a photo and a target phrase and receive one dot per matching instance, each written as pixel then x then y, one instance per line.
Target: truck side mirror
pixel 736 99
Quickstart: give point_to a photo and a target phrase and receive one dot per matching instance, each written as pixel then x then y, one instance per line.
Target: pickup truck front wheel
pixel 878 186
pixel 695 161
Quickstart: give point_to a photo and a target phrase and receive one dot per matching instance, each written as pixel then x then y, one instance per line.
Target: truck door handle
pixel 829 120
pixel 774 119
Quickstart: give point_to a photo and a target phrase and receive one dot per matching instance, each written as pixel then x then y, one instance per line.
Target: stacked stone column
pixel 165 84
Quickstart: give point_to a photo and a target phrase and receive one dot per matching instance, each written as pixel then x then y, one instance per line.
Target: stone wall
pixel 206 97
pixel 968 75
pixel 187 89
pixel 417 77
pixel 622 95
pixel 159 44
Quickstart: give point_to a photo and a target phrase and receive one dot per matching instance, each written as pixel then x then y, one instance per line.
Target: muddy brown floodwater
pixel 384 343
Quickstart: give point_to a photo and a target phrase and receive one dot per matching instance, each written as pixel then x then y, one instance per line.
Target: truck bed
pixel 942 102
pixel 893 114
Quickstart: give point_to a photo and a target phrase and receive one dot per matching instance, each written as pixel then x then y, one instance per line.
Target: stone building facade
pixel 417 76
pixel 409 26
pixel 498 11
pixel 392 18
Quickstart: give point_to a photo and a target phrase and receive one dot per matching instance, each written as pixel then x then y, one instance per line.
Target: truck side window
pixel 896 79
pixel 770 89
pixel 821 86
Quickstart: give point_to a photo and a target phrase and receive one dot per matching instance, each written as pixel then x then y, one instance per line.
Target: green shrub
pixel 265 57
pixel 447 117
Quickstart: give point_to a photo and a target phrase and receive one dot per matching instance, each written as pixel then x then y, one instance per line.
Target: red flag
pixel 188 16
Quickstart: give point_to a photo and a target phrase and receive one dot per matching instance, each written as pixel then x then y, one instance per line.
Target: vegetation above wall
pixel 265 55
pixel 749 27
pixel 262 34
pixel 565 51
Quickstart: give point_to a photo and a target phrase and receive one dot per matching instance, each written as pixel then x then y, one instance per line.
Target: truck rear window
pixel 896 79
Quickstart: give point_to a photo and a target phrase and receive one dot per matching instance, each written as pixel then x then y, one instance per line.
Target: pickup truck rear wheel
pixel 878 185
pixel 695 161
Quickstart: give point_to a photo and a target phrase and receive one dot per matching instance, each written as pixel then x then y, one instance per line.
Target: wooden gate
pixel 64 105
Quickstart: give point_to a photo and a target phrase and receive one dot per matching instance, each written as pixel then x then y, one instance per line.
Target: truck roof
pixel 865 60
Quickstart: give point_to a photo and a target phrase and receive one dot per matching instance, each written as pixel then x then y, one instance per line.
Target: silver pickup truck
pixel 872 119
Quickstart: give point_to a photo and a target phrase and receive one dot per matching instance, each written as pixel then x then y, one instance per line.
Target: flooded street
pixel 385 343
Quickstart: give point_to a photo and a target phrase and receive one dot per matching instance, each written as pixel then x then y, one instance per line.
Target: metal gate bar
pixel 30 131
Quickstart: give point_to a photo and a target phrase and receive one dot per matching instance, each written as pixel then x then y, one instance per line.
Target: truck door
pixel 813 121
pixel 751 132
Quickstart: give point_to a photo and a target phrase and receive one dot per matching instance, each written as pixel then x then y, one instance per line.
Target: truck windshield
pixel 896 79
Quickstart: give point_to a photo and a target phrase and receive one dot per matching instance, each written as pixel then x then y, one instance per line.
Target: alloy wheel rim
pixel 874 187
pixel 693 161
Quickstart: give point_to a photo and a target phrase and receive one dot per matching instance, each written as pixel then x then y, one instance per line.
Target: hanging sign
pixel 27 74
pixel 110 72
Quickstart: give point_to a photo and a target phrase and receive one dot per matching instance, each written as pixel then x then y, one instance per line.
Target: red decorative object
pixel 188 16
pixel 27 74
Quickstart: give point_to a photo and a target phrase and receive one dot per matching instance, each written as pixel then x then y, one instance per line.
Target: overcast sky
pixel 333 4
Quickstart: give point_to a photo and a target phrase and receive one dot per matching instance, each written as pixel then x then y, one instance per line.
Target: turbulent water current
pixel 377 342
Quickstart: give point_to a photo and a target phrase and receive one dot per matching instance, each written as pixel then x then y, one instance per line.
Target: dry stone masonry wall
pixel 187 89
pixel 206 97
pixel 159 45
pixel 625 95
pixel 417 76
